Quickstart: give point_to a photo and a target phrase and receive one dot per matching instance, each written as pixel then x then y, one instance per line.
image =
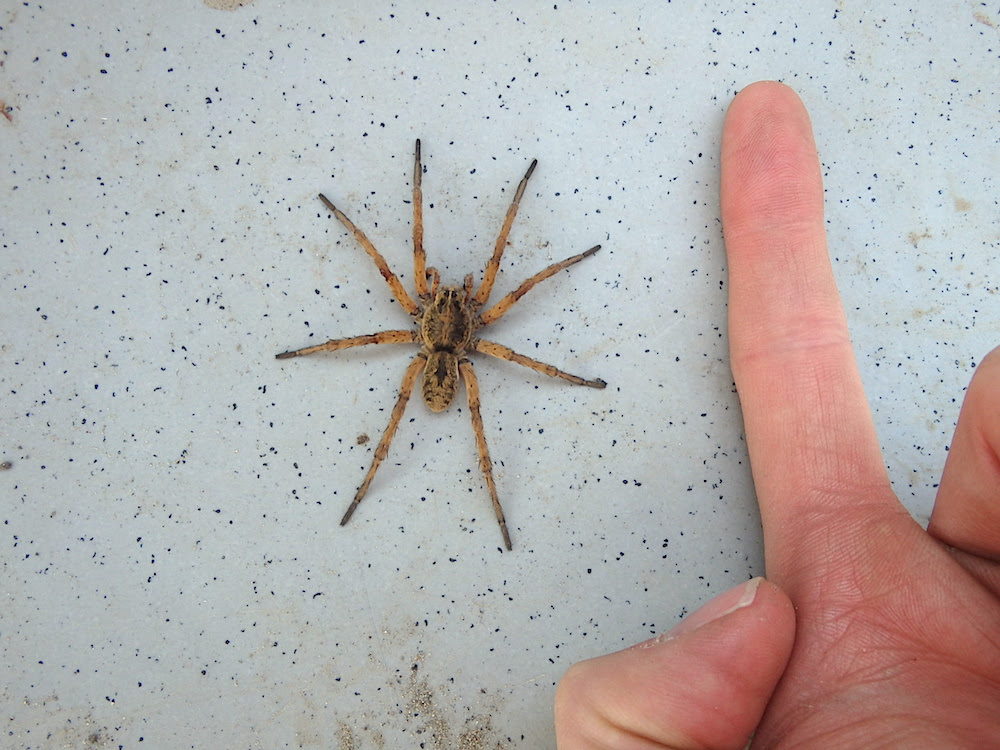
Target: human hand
pixel 869 631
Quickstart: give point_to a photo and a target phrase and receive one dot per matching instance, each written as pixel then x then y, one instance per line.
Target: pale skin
pixel 869 632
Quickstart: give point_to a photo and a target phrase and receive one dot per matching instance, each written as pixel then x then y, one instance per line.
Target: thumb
pixel 703 685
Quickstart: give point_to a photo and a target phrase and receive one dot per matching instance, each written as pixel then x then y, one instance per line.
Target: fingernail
pixel 725 603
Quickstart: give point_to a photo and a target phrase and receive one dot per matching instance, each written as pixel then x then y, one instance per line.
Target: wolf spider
pixel 446 319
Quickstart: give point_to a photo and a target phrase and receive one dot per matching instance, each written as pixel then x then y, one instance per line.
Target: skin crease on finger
pixel 897 643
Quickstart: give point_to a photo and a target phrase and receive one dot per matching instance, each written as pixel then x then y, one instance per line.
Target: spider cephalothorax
pixel 446 319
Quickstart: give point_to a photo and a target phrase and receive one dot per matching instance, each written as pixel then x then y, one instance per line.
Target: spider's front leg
pixel 493 264
pixel 395 285
pixel 419 256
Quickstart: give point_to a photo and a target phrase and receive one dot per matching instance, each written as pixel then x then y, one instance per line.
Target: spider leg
pixel 382 337
pixel 391 279
pixel 508 300
pixel 419 256
pixel 490 274
pixel 502 352
pixel 409 378
pixel 472 392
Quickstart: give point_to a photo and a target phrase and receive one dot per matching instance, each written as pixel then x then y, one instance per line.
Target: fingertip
pixel 763 90
pixel 765 101
pixel 770 169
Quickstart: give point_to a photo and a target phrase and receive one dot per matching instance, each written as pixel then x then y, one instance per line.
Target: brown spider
pixel 446 319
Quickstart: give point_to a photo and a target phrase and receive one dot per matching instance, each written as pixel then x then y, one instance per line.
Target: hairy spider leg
pixel 391 279
pixel 419 256
pixel 381 337
pixel 490 273
pixel 405 389
pixel 502 352
pixel 472 392
pixel 508 300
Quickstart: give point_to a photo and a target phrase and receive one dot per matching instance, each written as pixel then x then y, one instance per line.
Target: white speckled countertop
pixel 173 571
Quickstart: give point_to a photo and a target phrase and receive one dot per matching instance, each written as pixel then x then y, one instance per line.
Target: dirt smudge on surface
pixel 432 725
pixel 226 4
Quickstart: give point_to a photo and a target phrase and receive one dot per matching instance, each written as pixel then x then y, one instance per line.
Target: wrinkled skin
pixel 869 632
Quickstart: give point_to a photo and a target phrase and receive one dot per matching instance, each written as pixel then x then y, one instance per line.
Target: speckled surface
pixel 173 571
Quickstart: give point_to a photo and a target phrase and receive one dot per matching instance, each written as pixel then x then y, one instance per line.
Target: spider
pixel 446 320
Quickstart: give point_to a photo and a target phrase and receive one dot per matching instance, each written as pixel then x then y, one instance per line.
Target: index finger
pixel 815 458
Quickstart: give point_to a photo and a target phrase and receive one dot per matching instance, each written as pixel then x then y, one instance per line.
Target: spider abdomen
pixel 440 381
